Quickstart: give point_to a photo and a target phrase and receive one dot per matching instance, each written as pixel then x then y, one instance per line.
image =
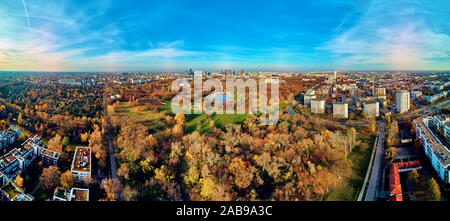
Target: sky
pixel 211 35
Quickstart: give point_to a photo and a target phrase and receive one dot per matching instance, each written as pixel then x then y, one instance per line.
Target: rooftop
pixel 61 193
pixel 79 194
pixel 82 159
pixel 437 147
pixel 50 153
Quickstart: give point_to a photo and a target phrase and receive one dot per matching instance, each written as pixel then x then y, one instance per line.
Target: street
pixel 375 178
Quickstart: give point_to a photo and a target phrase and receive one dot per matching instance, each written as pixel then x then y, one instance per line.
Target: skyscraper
pixel 403 101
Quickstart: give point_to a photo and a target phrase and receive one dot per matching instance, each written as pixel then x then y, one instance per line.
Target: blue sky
pixel 132 35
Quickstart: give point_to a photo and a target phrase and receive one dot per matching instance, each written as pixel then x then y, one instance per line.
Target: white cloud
pixel 390 36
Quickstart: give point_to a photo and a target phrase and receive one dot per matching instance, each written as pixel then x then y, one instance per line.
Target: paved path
pixel 375 178
pixel 372 156
pixel 36 188
pixel 109 139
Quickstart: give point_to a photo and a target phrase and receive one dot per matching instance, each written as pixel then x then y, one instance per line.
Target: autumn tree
pixel 85 137
pixel 65 141
pixel 242 172
pixel 413 177
pixel 392 138
pixel 180 119
pixel 67 180
pixel 20 119
pixel 112 188
pixel 96 144
pixel 50 177
pixel 19 180
pixel 3 125
pixel 432 191
pixel 129 194
pixel 55 143
pixel 390 153
pixel 372 125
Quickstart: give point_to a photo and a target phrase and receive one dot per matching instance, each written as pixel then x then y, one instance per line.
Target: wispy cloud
pixel 390 35
pixel 117 36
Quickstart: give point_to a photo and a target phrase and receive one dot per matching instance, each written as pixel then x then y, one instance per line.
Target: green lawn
pixel 192 120
pixel 349 188
pixel 220 121
pixel 149 118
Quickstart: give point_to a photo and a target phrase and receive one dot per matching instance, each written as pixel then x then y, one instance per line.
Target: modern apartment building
pixel 318 106
pixel 81 164
pixel 340 110
pixel 10 192
pixel 371 109
pixel 9 137
pixel 75 194
pixel 435 150
pixel 403 101
pixel 309 95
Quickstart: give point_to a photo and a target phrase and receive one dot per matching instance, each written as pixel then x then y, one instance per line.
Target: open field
pixel 144 115
pixel 202 121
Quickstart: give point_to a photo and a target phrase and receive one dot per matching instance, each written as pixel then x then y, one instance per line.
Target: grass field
pixel 149 118
pixel 201 122
pixel 350 187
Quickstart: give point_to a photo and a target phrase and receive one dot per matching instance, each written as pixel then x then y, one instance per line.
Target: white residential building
pixel 403 101
pixel 81 164
pixel 340 110
pixel 436 152
pixel 371 109
pixel 318 106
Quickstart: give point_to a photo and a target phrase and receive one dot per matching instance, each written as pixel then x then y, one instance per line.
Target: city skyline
pixel 204 35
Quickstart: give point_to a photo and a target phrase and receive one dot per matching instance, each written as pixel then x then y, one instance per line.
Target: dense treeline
pixel 289 161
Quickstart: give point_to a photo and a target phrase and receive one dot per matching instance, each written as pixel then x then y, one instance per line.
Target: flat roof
pixel 82 159
pixel 437 147
pixel 79 194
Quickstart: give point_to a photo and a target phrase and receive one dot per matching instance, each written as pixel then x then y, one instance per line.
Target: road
pixel 375 178
pixel 112 159
pixel 109 139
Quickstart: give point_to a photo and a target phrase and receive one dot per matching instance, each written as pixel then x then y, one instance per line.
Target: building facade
pixel 81 164
pixel 437 153
pixel 318 106
pixel 340 110
pixel 371 109
pixel 403 101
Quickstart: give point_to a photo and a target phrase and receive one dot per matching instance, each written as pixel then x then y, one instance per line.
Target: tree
pixel 413 177
pixel 3 125
pixel 372 125
pixel 390 153
pixel 96 144
pixel 129 194
pixel 351 134
pixel 67 180
pixel 392 138
pixel 242 171
pixel 50 177
pixel 112 188
pixel 20 119
pixel 65 141
pixel 55 143
pixel 180 119
pixel 22 137
pixel 432 191
pixel 19 180
pixel 85 137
